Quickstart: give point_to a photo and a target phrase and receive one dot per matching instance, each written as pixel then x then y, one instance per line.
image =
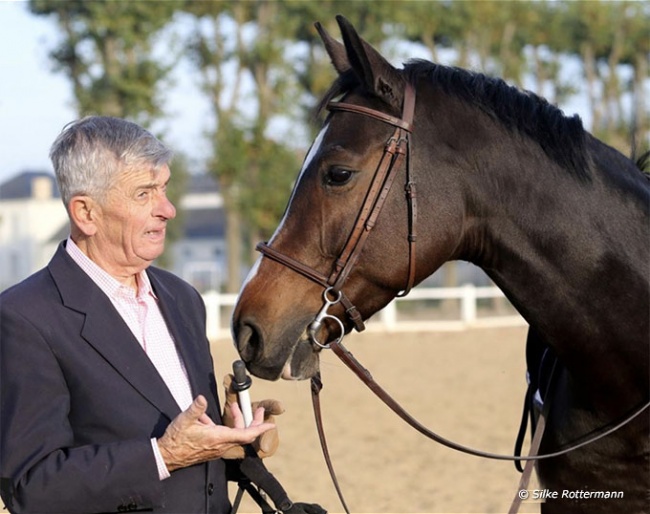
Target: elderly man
pixel 108 395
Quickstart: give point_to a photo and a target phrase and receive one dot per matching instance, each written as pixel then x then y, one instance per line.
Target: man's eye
pixel 338 176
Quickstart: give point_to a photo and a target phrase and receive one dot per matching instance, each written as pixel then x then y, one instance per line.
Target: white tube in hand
pixel 241 384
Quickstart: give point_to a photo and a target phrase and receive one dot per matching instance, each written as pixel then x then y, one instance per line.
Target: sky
pixel 36 103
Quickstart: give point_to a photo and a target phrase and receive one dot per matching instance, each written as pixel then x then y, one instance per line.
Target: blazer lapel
pixel 181 331
pixel 191 342
pixel 107 332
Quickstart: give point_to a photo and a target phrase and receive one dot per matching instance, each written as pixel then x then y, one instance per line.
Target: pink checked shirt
pixel 142 315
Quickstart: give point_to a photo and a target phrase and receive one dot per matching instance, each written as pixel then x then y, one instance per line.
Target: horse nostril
pixel 249 341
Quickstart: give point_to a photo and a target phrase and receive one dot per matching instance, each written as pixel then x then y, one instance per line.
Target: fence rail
pixel 390 319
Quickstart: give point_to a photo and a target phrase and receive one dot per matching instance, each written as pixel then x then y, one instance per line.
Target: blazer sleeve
pixel 41 469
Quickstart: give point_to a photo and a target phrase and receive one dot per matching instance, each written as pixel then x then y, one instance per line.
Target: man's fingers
pixel 237 416
pixel 258 416
pixel 248 435
pixel 206 420
pixel 195 411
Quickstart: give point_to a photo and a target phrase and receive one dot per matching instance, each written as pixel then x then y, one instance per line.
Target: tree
pixel 248 80
pixel 608 36
pixel 107 52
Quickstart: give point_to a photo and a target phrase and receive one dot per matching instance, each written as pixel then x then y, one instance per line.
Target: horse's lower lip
pixel 286 372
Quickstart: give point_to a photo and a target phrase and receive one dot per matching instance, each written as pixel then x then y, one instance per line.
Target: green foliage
pixel 106 51
pixel 175 190
pixel 260 61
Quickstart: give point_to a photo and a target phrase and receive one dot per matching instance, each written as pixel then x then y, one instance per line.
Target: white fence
pixel 467 314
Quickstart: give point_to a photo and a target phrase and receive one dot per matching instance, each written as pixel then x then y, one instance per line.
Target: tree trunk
pixel 233 248
pixel 639 115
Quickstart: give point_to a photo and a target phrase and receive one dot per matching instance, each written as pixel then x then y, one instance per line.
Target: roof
pixel 21 186
pixel 204 223
pixel 202 183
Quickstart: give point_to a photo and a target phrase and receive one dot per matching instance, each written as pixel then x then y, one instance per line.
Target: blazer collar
pixel 105 330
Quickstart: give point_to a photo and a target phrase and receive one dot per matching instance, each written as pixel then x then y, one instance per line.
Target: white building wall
pixel 25 227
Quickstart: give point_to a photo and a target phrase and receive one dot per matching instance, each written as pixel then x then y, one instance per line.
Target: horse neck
pixel 571 255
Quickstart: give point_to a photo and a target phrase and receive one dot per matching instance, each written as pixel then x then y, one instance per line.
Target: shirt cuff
pixel 163 472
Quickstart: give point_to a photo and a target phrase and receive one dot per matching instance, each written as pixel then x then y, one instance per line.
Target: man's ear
pixel 84 212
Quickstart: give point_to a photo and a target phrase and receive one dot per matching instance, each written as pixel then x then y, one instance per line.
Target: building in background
pixel 31 212
pixel 199 256
pixel 33 221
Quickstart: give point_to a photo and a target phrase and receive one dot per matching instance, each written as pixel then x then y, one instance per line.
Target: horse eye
pixel 338 176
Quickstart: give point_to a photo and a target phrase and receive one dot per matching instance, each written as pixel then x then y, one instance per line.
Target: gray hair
pixel 89 154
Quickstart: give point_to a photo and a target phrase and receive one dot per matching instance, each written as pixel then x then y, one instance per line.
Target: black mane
pixel 561 137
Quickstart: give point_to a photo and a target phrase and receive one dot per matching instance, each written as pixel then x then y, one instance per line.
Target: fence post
pixel 468 304
pixel 388 316
pixel 213 315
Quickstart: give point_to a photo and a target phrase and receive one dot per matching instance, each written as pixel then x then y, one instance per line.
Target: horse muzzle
pixel 270 357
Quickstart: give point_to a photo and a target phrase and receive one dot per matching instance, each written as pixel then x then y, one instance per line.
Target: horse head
pixel 362 148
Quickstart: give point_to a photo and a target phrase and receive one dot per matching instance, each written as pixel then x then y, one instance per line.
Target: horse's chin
pixel 303 363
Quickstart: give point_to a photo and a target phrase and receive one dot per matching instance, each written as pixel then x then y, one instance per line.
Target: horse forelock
pixel 342 85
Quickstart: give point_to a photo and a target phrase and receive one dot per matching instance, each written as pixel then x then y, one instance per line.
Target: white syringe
pixel 240 384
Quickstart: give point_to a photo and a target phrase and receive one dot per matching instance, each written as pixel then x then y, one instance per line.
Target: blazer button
pixel 210 489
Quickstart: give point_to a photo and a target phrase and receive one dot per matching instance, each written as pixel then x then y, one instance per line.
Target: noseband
pixel 396 149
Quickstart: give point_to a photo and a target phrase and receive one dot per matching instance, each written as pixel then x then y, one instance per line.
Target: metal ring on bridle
pixel 315 325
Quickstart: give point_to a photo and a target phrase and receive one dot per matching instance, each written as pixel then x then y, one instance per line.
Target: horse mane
pixel 562 138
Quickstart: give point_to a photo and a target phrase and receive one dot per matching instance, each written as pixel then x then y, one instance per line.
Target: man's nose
pixel 165 208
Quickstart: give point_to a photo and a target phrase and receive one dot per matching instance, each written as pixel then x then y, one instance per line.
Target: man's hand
pixel 192 437
pixel 265 445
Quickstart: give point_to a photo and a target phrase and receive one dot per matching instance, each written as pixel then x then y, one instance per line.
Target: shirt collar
pixel 108 284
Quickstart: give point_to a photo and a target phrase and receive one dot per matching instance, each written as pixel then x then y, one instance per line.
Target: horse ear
pixel 334 49
pixel 375 72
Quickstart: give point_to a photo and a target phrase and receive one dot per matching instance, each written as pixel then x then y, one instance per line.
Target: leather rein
pixel 397 147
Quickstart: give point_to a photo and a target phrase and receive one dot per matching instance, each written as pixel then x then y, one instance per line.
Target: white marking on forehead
pixel 315 147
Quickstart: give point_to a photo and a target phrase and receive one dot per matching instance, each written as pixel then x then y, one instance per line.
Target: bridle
pixel 397 148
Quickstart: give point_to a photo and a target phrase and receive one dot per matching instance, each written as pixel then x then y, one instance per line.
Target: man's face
pixel 131 229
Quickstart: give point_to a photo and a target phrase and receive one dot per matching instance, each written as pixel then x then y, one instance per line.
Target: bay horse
pixel 502 179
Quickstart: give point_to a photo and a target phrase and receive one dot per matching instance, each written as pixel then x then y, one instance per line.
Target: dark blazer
pixel 80 400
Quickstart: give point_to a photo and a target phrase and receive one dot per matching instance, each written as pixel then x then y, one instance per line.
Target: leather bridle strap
pixel 316 387
pixel 397 147
pixel 353 314
pixel 351 362
pixel 362 373
pixel 377 194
